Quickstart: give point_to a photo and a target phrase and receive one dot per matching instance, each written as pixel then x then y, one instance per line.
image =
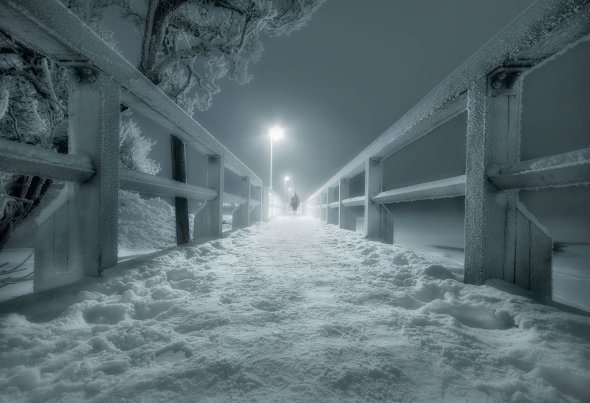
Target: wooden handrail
pixel 158 185
pixel 50 28
pixel 450 187
pixel 26 159
pixel 567 169
pixel 545 28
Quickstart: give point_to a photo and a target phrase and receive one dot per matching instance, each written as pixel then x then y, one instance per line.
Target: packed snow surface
pixel 287 311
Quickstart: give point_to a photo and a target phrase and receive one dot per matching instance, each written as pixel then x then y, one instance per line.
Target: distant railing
pixel 502 239
pixel 276 205
pixel 103 81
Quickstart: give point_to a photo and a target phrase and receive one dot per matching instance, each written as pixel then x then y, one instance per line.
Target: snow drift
pixel 292 310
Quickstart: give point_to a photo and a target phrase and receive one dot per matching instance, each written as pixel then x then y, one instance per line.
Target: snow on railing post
pixel 333 215
pixel 495 235
pixel 265 203
pixel 94 120
pixel 261 206
pixel 346 219
pixel 325 207
pixel 180 203
pixel 241 217
pixel 209 220
pixel 378 223
pixel 89 215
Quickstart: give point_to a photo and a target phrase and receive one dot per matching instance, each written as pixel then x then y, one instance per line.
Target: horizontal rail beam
pixel 26 159
pixel 354 201
pixel 450 187
pixel 50 28
pixel 568 169
pixel 158 185
pixel 545 28
pixel 334 204
pixel 233 199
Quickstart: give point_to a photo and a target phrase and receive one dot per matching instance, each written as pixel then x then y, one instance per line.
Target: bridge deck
pixel 291 310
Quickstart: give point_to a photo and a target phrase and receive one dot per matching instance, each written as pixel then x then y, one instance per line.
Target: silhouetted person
pixel 295 202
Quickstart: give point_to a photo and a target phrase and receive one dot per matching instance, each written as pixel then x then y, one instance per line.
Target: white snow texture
pixel 292 311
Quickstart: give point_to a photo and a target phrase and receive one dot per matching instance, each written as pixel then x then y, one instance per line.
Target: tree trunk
pixel 158 16
pixel 25 194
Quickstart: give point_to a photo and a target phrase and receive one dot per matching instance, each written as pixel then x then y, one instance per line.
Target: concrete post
pixel 499 237
pixel 208 222
pixel 346 219
pixel 241 217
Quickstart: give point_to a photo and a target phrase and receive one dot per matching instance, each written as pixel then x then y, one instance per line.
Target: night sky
pixel 340 82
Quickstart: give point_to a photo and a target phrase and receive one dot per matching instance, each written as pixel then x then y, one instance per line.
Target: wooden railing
pixel 102 81
pixel 499 233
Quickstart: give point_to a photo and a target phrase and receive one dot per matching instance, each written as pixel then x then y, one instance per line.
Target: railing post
pixel 260 215
pixel 241 217
pixel 373 185
pixel 378 220
pixel 94 121
pixel 499 235
pixel 89 213
pixel 346 219
pixel 209 220
pixel 180 203
pixel 325 202
pixel 333 214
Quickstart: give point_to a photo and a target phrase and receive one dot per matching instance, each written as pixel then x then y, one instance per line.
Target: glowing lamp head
pixel 287 178
pixel 276 133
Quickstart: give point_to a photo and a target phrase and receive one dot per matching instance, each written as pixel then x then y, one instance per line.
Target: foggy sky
pixel 340 82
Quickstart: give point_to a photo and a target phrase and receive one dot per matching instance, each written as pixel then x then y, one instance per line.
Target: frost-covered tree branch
pixel 190 44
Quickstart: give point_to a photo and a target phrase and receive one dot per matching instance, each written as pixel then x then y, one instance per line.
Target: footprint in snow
pixel 267 306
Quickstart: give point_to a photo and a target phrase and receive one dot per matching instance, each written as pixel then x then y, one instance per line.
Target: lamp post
pixel 276 133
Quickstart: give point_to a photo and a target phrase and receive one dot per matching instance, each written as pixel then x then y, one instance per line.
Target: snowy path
pixel 293 310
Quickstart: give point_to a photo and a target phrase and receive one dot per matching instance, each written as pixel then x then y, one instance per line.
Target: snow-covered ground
pixel 292 310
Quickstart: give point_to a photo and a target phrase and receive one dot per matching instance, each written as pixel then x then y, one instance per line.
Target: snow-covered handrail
pixel 542 30
pixel 49 27
pixel 233 199
pixel 102 82
pixel 450 187
pixel 354 201
pixel 502 239
pixel 158 185
pixel 27 159
pixel 572 168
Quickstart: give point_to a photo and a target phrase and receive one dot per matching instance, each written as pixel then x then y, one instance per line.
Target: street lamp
pixel 276 133
pixel 286 179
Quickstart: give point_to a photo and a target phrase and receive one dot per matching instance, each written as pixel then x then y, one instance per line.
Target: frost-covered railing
pixel 276 205
pixel 80 236
pixel 502 239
